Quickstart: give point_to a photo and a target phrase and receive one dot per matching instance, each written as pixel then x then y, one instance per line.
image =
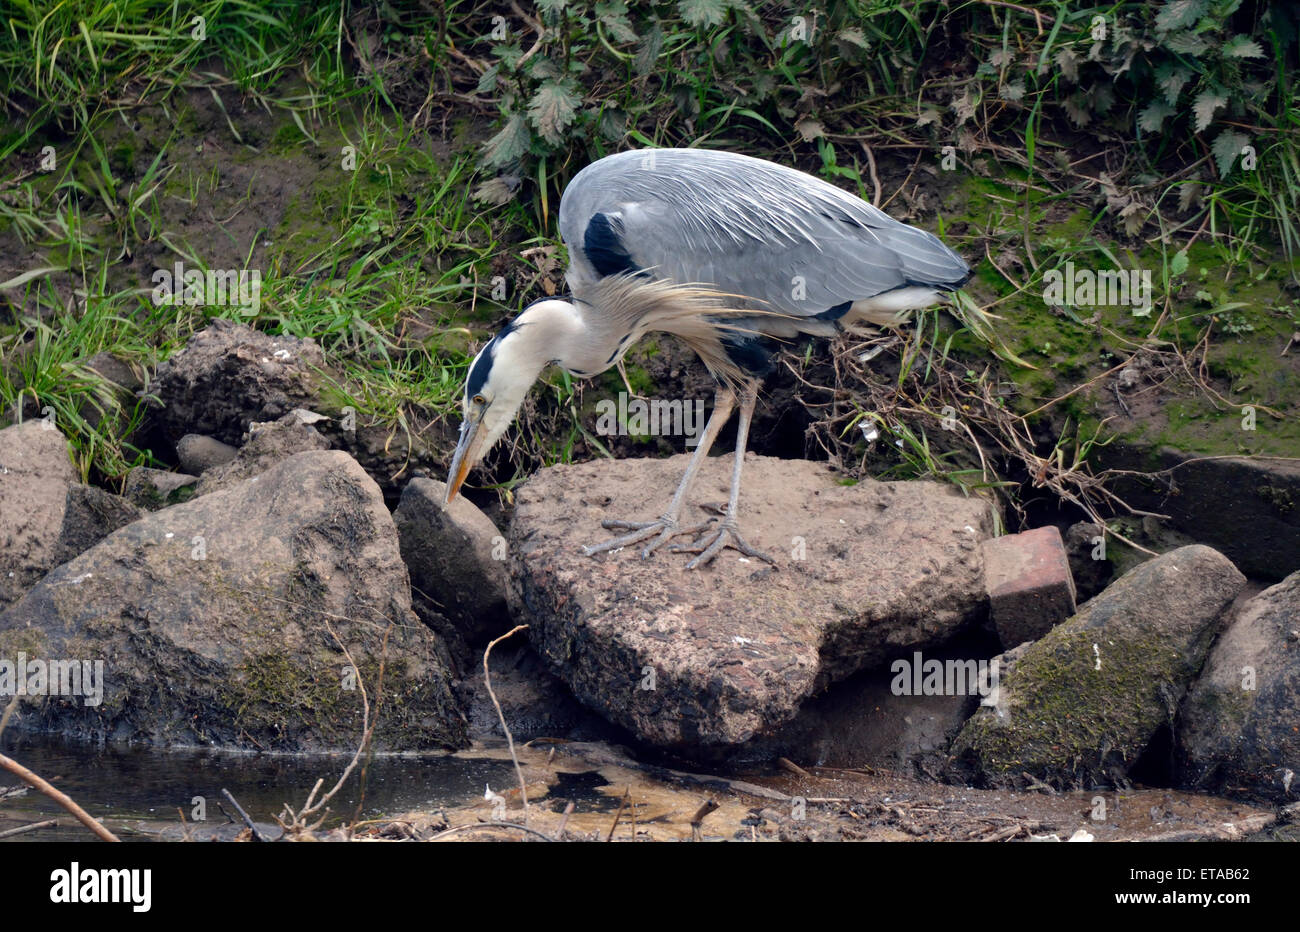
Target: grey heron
pixel 732 255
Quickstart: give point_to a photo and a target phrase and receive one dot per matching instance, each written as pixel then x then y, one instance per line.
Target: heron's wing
pixel 778 236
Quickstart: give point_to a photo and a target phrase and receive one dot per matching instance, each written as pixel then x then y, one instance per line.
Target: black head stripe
pixel 482 367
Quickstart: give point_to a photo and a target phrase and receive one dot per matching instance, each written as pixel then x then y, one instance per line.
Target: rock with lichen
pixel 259 617
pixel 1079 706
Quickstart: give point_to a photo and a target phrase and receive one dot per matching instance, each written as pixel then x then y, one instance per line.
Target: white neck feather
pixel 559 332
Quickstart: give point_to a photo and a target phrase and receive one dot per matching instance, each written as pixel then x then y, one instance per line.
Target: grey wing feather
pixel 746 226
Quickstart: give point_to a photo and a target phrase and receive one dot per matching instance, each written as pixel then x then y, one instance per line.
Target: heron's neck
pixel 591 335
pixel 570 335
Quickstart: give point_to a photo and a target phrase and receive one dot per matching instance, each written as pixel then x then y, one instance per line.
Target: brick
pixel 1029 584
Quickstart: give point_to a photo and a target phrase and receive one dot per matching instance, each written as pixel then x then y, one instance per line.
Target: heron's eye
pixel 478 400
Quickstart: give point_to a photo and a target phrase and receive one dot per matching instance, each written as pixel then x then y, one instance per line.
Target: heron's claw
pixel 712 543
pixel 665 527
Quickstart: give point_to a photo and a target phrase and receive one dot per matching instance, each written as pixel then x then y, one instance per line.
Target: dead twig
pixel 296 822
pixel 537 27
pixel 1013 831
pixel 489 825
pixel 243 816
pixel 1039 16
pixel 929 384
pixel 619 814
pixel 510 741
pixel 564 820
pixel 791 767
pixel 82 816
pixel 912 171
pixel 1037 784
pixel 1122 403
pixel 871 167
pixel 29 827
pixel 698 818
pixel 905 822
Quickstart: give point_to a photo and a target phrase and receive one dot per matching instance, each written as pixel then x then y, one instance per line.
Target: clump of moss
pixel 1277 496
pixel 1078 707
pixel 1073 720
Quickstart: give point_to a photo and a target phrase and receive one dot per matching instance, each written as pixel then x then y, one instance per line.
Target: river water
pixel 137 790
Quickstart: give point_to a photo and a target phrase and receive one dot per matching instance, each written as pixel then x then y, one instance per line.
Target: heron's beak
pixel 468 451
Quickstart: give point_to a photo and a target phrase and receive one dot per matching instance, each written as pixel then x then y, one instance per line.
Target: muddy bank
pixel 616 798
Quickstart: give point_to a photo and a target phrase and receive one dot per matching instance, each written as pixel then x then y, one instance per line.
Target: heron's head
pixel 499 379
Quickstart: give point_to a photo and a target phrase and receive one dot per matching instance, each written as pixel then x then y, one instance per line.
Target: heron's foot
pixel 662 529
pixel 713 542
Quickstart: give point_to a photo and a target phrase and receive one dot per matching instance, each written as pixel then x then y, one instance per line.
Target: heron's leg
pixel 727 534
pixel 667 526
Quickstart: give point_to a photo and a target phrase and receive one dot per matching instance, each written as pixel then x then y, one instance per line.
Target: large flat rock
pixel 706 659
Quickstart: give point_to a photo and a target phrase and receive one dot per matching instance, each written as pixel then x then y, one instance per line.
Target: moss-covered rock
pixel 153 489
pixel 1079 706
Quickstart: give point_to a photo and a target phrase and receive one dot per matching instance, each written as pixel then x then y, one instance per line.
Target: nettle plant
pixel 1163 71
pixel 595 71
